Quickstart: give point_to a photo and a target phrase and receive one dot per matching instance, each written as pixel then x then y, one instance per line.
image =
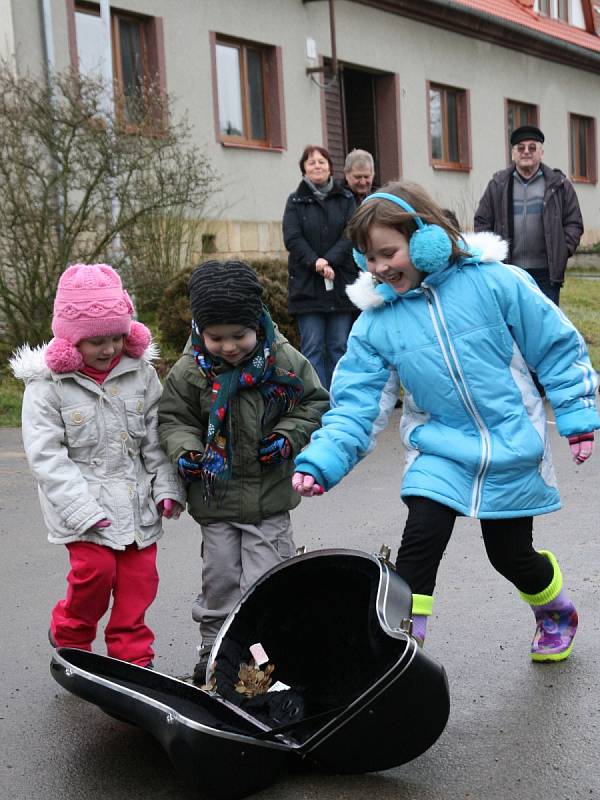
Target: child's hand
pixel 189 467
pixel 274 449
pixel 102 523
pixel 168 508
pixel 582 446
pixel 306 485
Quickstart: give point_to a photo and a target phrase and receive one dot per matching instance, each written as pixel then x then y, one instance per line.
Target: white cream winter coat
pixel 94 451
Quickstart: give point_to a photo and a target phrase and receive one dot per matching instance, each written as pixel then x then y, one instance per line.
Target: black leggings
pixel 508 543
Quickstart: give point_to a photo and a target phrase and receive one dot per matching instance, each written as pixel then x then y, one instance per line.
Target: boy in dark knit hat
pixel 237 407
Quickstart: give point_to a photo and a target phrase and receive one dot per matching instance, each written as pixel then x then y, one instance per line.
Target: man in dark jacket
pixel 535 208
pixel 359 171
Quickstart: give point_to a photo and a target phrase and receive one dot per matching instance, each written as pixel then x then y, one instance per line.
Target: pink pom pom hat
pixel 90 301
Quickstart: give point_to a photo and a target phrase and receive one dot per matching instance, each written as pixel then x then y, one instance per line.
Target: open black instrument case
pixel 352 690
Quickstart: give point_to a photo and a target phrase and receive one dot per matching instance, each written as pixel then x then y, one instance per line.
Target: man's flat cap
pixel 526 132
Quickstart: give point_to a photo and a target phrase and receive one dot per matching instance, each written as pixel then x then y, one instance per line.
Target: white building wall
pixel 256 183
pixel 421 52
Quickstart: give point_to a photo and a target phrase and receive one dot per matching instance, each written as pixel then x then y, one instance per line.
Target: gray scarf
pixel 320 191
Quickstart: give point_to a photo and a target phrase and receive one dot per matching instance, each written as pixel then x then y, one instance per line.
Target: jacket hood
pixel 28 363
pixel 367 292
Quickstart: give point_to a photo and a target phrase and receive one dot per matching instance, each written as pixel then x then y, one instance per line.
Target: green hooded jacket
pixel 254 491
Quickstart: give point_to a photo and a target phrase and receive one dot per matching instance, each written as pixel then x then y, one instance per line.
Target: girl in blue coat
pixel 462 331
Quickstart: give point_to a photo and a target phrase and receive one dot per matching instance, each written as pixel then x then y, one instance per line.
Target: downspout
pixel 50 68
pixel 108 78
pixel 107 66
pixel 48 41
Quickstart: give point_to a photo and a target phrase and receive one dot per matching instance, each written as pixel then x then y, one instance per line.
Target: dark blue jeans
pixel 542 278
pixel 323 339
pixel 552 292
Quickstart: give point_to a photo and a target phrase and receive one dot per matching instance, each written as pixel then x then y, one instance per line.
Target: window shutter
pixel 334 120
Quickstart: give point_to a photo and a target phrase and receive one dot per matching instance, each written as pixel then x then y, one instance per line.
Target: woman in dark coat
pixel 320 261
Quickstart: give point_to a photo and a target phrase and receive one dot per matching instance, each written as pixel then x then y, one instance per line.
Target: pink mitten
pixel 306 485
pixel 582 446
pixel 169 508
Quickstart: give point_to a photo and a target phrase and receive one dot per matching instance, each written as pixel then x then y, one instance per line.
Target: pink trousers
pixel 96 573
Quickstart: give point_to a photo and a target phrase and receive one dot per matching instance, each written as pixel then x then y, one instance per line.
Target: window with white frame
pixel 559 9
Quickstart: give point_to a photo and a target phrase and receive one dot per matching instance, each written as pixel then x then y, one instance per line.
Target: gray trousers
pixel 234 556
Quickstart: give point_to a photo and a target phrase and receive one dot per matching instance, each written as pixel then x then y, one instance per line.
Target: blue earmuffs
pixel 430 246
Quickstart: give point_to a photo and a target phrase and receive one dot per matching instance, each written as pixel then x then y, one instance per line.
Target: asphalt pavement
pixel 516 730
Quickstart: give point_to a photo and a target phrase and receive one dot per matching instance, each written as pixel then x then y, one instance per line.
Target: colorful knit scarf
pixel 276 385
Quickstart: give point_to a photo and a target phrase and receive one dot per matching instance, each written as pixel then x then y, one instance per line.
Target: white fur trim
pixel 362 292
pixel 491 246
pixel 27 363
pixel 152 352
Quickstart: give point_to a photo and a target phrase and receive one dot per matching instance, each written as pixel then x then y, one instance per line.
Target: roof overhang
pixel 478 24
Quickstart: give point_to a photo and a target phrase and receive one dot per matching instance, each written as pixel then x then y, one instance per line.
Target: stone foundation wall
pixel 234 239
pixel 231 239
pixel 590 237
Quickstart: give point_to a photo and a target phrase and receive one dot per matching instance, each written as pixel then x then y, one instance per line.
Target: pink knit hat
pixel 90 301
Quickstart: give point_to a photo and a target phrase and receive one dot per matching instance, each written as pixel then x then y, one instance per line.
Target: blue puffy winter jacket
pixel 473 423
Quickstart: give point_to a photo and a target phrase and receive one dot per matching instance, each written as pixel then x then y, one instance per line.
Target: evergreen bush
pixel 174 313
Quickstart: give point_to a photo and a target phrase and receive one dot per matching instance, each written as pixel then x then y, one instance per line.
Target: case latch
pixel 406 624
pixel 384 553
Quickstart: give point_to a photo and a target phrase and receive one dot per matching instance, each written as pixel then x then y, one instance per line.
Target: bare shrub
pixel 77 184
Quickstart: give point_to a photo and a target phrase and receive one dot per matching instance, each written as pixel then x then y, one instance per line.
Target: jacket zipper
pixel 235 431
pixel 455 372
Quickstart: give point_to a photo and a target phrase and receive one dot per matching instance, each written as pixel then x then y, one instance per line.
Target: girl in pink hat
pixel 104 483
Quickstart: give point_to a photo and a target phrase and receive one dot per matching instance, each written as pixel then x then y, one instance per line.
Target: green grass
pixel 11 391
pixel 580 300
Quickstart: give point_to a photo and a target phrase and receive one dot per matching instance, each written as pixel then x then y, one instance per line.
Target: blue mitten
pixel 274 449
pixel 189 466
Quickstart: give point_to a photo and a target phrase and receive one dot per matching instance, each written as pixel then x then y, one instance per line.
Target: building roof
pixel 519 13
pixel 509 23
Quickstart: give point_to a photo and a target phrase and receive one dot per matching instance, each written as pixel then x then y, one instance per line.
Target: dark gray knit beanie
pixel 225 293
